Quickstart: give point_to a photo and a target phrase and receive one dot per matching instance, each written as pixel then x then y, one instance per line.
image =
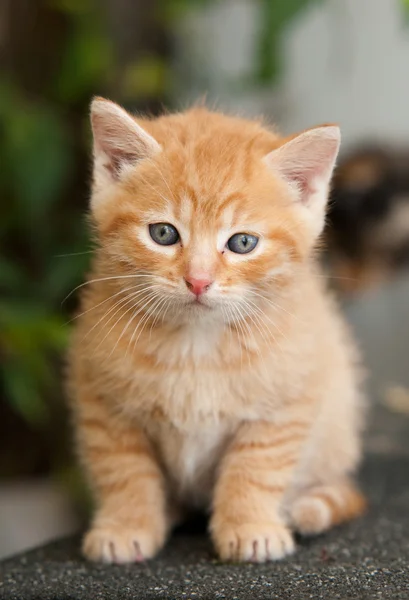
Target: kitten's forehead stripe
pixel 185 209
pixel 227 216
pixel 247 162
pixel 229 205
pixel 193 196
pixel 224 181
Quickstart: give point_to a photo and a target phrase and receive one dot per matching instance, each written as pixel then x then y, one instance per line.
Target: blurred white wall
pixel 33 512
pixel 348 61
pixel 344 60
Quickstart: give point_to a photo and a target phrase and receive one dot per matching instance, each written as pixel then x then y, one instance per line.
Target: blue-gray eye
pixel 164 234
pixel 242 243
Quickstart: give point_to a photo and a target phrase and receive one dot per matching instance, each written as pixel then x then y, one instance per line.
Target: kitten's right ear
pixel 118 141
pixel 306 162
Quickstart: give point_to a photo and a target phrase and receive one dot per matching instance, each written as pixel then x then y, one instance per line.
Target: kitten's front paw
pixel 122 543
pixel 253 542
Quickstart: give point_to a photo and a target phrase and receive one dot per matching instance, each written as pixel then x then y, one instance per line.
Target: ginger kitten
pixel 209 367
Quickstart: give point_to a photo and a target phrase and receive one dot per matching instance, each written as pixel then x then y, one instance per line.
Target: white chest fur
pixel 191 460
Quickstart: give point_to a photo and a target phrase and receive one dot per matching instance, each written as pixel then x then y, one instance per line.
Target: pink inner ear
pixel 121 140
pixel 304 181
pixel 307 161
pixel 118 158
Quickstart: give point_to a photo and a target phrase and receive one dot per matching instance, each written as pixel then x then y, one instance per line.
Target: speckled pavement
pixel 364 560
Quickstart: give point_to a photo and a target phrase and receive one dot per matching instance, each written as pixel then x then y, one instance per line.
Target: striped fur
pixel 247 406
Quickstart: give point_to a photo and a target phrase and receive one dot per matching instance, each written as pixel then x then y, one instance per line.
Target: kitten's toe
pixel 119 544
pixel 254 542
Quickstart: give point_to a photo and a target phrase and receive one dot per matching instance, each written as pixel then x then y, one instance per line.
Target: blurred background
pixel 299 63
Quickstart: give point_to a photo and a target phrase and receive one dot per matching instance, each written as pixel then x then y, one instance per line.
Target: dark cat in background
pixel 367 234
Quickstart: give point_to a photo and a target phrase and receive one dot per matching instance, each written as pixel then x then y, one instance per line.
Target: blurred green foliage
pixel 44 138
pixel 45 170
pixel 405 10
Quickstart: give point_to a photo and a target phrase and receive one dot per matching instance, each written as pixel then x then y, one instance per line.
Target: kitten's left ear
pixel 118 141
pixel 306 163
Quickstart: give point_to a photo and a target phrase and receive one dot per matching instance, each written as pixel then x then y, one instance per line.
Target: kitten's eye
pixel 242 243
pixel 164 234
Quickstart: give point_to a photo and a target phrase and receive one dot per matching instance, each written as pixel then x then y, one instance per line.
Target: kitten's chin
pixel 199 305
pixel 198 311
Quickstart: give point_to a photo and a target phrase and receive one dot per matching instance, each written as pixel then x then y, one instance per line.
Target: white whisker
pixel 249 331
pixel 149 300
pixel 155 190
pixel 119 305
pixel 102 279
pixel 126 327
pixel 142 323
pixel 227 322
pixel 258 320
pixel 151 295
pixel 265 316
pixel 158 308
pixel 73 254
pixel 164 180
pixel 237 326
pixel 274 305
pixel 133 287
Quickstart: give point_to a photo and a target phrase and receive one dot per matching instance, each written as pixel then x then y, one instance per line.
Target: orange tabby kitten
pixel 209 367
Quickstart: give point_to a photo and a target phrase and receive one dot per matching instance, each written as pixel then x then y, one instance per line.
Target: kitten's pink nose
pixel 198 286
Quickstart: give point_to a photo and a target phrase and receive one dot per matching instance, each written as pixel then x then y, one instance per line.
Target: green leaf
pixel 40 159
pixel 12 276
pixel 63 274
pixel 27 329
pixel 24 395
pixel 65 268
pixel 29 338
pixel 145 77
pixel 86 64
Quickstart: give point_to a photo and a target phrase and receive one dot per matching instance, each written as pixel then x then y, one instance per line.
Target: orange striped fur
pixel 243 401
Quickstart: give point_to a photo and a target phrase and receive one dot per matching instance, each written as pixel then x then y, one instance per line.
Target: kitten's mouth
pixel 197 302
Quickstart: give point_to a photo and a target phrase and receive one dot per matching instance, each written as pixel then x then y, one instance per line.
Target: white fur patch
pixel 199 452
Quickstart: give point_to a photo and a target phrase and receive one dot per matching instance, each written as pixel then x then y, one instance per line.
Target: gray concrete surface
pixel 367 559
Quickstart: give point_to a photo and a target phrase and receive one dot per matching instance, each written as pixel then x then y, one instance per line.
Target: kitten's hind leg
pixel 321 507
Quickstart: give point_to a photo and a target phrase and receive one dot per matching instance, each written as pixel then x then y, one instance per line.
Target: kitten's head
pixel 210 213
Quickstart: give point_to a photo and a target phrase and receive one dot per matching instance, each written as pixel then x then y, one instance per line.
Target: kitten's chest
pixel 197 384
pixel 190 459
pixel 190 397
